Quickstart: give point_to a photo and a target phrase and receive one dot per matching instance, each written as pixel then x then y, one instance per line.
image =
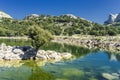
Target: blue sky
pixel 93 10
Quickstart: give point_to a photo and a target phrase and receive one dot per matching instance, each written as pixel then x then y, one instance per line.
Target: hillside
pixel 67 24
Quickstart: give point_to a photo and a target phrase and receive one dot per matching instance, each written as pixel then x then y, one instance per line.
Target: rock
pixel 18 51
pixel 26 52
pixel 66 55
pixel 113 18
pixel 4 15
pixel 113 76
pixel 32 16
pixel 3 47
pixel 54 55
pixel 12 56
pixel 41 54
pixel 1 56
pixel 71 16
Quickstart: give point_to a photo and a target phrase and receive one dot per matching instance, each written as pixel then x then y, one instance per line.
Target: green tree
pixel 39 36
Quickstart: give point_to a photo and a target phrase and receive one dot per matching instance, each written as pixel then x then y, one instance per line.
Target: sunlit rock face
pixel 4 15
pixel 113 18
pixel 31 16
pixel 27 52
pixel 71 16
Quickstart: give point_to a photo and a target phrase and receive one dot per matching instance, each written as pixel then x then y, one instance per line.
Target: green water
pixel 88 64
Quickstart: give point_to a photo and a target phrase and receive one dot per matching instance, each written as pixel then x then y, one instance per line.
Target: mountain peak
pixel 113 18
pixel 71 16
pixel 31 16
pixel 4 15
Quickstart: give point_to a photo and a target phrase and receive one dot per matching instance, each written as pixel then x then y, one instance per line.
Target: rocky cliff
pixel 4 15
pixel 113 18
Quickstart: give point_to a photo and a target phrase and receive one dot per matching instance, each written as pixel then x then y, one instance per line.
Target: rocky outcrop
pixel 91 42
pixel 113 18
pixel 71 16
pixel 4 15
pixel 26 52
pixel 52 55
pixel 32 16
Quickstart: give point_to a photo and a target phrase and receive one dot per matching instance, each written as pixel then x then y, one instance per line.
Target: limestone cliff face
pixel 32 16
pixel 71 16
pixel 4 15
pixel 113 18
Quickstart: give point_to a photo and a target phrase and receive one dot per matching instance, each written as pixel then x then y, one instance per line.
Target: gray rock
pixel 113 76
pixel 66 55
pixel 18 51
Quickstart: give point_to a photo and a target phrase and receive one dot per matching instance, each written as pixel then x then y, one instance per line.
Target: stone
pixel 26 52
pixel 32 16
pixel 110 76
pixel 4 15
pixel 3 47
pixel 11 56
pixel 1 56
pixel 66 55
pixel 71 16
pixel 113 18
pixel 18 51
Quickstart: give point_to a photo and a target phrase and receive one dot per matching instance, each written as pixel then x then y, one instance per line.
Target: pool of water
pixel 90 66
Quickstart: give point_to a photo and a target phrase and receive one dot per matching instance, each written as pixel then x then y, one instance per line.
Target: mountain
pixel 4 15
pixel 113 18
pixel 67 24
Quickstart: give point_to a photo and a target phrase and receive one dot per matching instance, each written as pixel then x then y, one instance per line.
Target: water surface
pixel 87 64
pixel 88 67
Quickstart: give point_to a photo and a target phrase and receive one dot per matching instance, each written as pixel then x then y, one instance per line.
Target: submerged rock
pixel 113 76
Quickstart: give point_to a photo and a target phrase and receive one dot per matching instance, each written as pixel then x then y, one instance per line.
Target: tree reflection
pixel 37 73
pixel 77 51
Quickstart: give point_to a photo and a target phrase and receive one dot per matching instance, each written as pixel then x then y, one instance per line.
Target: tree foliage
pixel 57 25
pixel 39 36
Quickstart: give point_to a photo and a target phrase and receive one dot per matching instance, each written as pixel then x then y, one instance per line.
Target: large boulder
pixel 41 54
pixel 53 55
pixel 1 56
pixel 11 56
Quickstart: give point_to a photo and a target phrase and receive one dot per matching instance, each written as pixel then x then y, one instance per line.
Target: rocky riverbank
pixel 27 52
pixel 105 43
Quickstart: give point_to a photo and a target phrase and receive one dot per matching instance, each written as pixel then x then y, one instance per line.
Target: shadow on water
pixel 37 73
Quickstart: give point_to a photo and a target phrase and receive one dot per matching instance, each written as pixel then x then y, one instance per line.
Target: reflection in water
pixel 90 67
pixel 37 73
pixel 12 63
pixel 27 70
pixel 113 56
pixel 77 51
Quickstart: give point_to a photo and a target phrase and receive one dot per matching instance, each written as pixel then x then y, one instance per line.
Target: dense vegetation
pixel 57 25
pixel 39 36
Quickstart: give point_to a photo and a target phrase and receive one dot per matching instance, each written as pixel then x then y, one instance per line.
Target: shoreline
pixel 28 53
pixel 110 43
